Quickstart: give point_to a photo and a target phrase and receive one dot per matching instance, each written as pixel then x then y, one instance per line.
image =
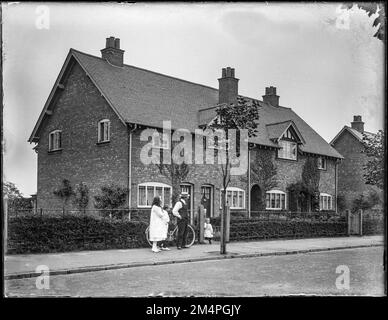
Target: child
pixel 208 231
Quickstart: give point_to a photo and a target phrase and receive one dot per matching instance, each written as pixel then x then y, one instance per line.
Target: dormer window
pixel 104 131
pixel 288 150
pixel 55 140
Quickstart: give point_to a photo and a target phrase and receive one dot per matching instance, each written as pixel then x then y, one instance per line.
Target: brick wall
pixel 77 112
pixel 350 171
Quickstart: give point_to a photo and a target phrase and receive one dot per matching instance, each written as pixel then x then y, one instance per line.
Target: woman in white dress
pixel 158 230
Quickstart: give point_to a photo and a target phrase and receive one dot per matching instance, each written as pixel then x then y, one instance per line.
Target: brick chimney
pixel 271 97
pixel 112 52
pixel 228 86
pixel 358 124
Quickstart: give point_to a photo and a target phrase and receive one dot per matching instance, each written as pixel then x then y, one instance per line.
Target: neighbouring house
pixel 90 127
pixel 349 142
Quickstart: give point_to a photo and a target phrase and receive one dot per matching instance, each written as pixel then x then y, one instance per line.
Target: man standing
pixel 182 213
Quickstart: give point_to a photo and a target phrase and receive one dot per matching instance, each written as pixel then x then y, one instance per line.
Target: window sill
pixel 55 151
pixel 102 143
pixel 322 169
pixel 286 159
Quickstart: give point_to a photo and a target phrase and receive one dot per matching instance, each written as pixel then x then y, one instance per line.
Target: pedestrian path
pixel 23 266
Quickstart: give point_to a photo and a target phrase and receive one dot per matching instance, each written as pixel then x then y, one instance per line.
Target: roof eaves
pixel 50 97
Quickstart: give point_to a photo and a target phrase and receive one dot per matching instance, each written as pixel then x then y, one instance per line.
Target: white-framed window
pixel 275 200
pixel 160 141
pixel 288 150
pixel 147 191
pixel 215 142
pixel 55 140
pixel 321 163
pixel 325 201
pixel 235 198
pixel 104 130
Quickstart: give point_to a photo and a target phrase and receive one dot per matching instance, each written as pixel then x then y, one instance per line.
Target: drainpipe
pixel 336 185
pixel 132 128
pixel 249 182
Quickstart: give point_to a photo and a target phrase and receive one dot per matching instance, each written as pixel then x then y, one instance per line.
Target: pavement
pixel 25 266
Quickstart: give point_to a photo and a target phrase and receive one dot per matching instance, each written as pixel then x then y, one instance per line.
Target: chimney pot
pixel 117 43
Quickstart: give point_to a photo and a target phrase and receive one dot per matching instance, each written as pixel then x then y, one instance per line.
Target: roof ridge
pixel 154 72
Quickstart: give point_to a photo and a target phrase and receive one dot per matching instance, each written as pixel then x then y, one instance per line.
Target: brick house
pixel 349 142
pixel 90 127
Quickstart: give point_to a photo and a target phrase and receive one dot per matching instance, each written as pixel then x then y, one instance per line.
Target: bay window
pixel 147 191
pixel 235 198
pixel 275 200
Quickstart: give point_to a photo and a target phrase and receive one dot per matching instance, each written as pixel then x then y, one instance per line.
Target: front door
pixel 206 200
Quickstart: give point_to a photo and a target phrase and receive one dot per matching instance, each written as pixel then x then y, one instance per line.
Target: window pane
pixel 159 192
pixel 229 197
pixel 142 196
pixel 150 195
pixel 267 200
pixel 283 201
pixel 234 203
pixel 167 196
pixel 240 199
pixel 272 200
pixel 277 204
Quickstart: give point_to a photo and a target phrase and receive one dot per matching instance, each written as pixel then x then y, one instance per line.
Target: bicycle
pixel 173 234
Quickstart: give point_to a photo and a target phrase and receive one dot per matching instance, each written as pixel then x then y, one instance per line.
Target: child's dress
pixel 208 232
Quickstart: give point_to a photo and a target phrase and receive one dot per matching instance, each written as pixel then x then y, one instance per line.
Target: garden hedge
pixel 242 229
pixel 372 227
pixel 69 233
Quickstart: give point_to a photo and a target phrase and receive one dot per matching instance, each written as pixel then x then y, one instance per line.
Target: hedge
pixel 58 234
pixel 242 229
pixel 372 226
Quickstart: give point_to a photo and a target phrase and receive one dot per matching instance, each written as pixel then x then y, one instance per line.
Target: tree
pixel 65 192
pixel 372 8
pixel 310 178
pixel 263 172
pixel 81 196
pixel 111 197
pixel 374 168
pixel 366 200
pixel 242 115
pixel 16 200
pixel 176 173
pixel 11 190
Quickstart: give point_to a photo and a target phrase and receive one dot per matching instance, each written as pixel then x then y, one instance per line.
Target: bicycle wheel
pixel 147 234
pixel 190 236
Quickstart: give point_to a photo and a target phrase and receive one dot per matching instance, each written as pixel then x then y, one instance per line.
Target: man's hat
pixel 184 194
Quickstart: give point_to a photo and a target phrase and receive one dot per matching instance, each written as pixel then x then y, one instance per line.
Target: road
pixel 311 274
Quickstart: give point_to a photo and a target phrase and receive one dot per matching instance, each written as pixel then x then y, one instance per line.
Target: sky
pixel 324 61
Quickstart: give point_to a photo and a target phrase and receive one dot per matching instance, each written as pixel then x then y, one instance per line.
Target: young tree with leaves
pixel 374 148
pixel 65 192
pixel 81 196
pixel 176 173
pixel 310 178
pixel 242 115
pixel 111 197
